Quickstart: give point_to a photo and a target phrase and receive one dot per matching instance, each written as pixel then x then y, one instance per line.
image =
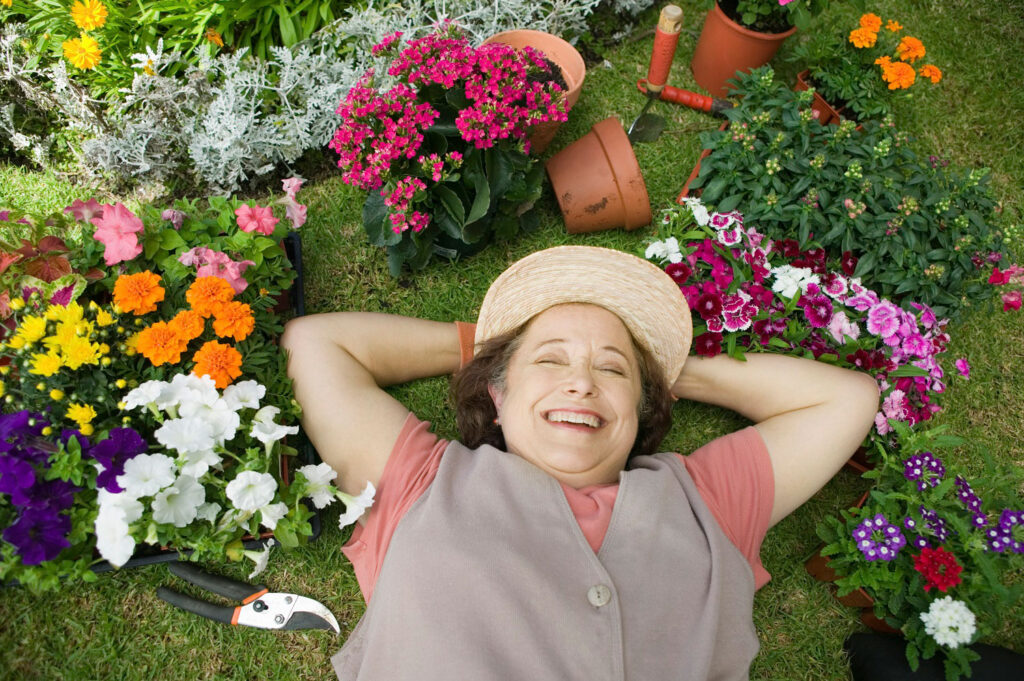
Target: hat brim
pixel 638 292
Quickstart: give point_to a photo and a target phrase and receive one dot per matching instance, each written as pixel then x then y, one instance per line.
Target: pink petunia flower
pixel 175 217
pixel 85 211
pixel 256 219
pixel 117 229
pixel 210 263
pixel 963 366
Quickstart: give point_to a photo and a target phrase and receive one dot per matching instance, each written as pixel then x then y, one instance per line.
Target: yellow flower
pixel 46 365
pixel 6 3
pixel 104 318
pixel 214 37
pixel 16 343
pixel 56 395
pixel 32 328
pixel 47 431
pixel 88 14
pixel 1 388
pixel 80 413
pixel 72 313
pixel 87 430
pixel 83 52
pixel 79 351
pixel 18 301
pixel 61 337
pixel 132 344
pixel 120 383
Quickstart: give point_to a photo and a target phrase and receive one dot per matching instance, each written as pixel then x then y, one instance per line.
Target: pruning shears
pixel 259 607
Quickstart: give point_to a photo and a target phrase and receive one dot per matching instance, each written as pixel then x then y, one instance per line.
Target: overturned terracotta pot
pixel 598 182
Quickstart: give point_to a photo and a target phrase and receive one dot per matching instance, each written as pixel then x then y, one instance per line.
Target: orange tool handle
pixel 687 98
pixel 666 38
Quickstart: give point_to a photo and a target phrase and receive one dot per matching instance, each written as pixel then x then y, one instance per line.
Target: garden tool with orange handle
pixel 666 37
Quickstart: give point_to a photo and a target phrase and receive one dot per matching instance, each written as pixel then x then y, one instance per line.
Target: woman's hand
pixel 340 362
pixel 811 415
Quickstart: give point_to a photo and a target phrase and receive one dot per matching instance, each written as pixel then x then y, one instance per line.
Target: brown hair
pixel 475 412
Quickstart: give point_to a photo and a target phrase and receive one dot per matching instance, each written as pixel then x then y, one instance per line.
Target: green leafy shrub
pixel 921 227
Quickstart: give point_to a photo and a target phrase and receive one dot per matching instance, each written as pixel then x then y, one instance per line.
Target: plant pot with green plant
pixel 440 143
pixel 744 34
pixel 858 73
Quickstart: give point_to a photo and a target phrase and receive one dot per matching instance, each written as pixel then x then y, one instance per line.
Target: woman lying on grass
pixel 552 542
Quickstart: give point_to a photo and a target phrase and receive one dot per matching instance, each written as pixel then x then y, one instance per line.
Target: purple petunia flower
pixel 16 476
pixel 877 539
pixel 926 469
pixel 122 445
pixel 39 535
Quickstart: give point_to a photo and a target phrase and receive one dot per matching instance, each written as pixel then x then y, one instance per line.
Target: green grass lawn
pixel 118 629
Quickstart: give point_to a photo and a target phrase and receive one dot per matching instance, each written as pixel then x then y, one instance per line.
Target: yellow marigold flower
pixel 104 318
pixel 79 351
pixel 46 364
pixel 32 329
pixel 870 21
pixel 862 37
pixel 56 394
pixel 160 343
pixel 931 72
pixel 898 75
pixel 214 37
pixel 80 413
pixel 893 26
pixel 83 52
pixel 910 49
pixel 88 14
pixel 138 293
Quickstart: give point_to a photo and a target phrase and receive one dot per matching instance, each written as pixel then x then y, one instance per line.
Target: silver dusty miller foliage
pixel 236 117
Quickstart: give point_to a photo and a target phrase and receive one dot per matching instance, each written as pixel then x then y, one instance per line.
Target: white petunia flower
pixel 179 503
pixel 700 213
pixel 356 506
pixel 271 513
pixel 188 388
pixel 320 484
pixel 250 491
pixel 125 504
pixel 950 622
pixel 186 435
pixel 196 464
pixel 146 474
pixel 221 417
pixel 265 430
pixel 260 558
pixel 246 394
pixel 208 511
pixel 113 536
pixel 146 394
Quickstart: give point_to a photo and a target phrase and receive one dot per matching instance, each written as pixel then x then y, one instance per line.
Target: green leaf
pixel 481 194
pixel 375 221
pixel 171 240
pixel 452 204
pixel 499 172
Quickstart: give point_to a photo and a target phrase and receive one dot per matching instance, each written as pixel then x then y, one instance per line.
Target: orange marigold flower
pixel 206 294
pixel 884 61
pixel 870 21
pixel 910 49
pixel 213 35
pixel 138 293
pixel 930 71
pixel 189 324
pixel 898 75
pixel 862 37
pixel 160 344
pixel 233 320
pixel 220 362
pixel 893 26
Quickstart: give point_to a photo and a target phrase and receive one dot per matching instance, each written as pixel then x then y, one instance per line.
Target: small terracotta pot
pixel 725 47
pixel 561 53
pixel 859 598
pixel 598 182
pixel 867 616
pixel 696 169
pixel 824 112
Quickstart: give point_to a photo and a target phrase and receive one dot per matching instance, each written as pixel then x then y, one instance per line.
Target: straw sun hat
pixel 642 295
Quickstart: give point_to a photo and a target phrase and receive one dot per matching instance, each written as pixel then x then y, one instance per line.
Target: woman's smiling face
pixel 570 399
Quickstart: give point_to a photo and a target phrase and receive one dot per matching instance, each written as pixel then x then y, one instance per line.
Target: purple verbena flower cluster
pixel 971 500
pixel 1001 537
pixel 926 469
pixel 877 539
pixel 935 524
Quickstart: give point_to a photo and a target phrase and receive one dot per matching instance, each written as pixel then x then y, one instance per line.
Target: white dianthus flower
pixel 700 213
pixel 950 622
pixel 664 250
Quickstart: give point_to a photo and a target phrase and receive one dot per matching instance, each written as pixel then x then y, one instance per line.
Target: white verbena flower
pixel 320 484
pixel 260 558
pixel 356 506
pixel 244 394
pixel 186 435
pixel 146 474
pixel 179 503
pixel 700 213
pixel 664 250
pixel 250 491
pixel 271 513
pixel 265 430
pixel 950 622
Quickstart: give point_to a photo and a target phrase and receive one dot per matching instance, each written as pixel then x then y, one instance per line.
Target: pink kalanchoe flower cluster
pixel 739 296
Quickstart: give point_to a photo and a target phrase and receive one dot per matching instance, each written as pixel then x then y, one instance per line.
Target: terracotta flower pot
pixel 824 112
pixel 725 47
pixel 561 53
pixel 598 183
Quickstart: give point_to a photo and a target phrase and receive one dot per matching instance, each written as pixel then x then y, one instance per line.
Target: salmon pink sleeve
pixel 734 477
pixel 410 469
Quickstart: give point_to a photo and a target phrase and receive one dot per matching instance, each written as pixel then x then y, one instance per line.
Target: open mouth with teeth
pixel 574 418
